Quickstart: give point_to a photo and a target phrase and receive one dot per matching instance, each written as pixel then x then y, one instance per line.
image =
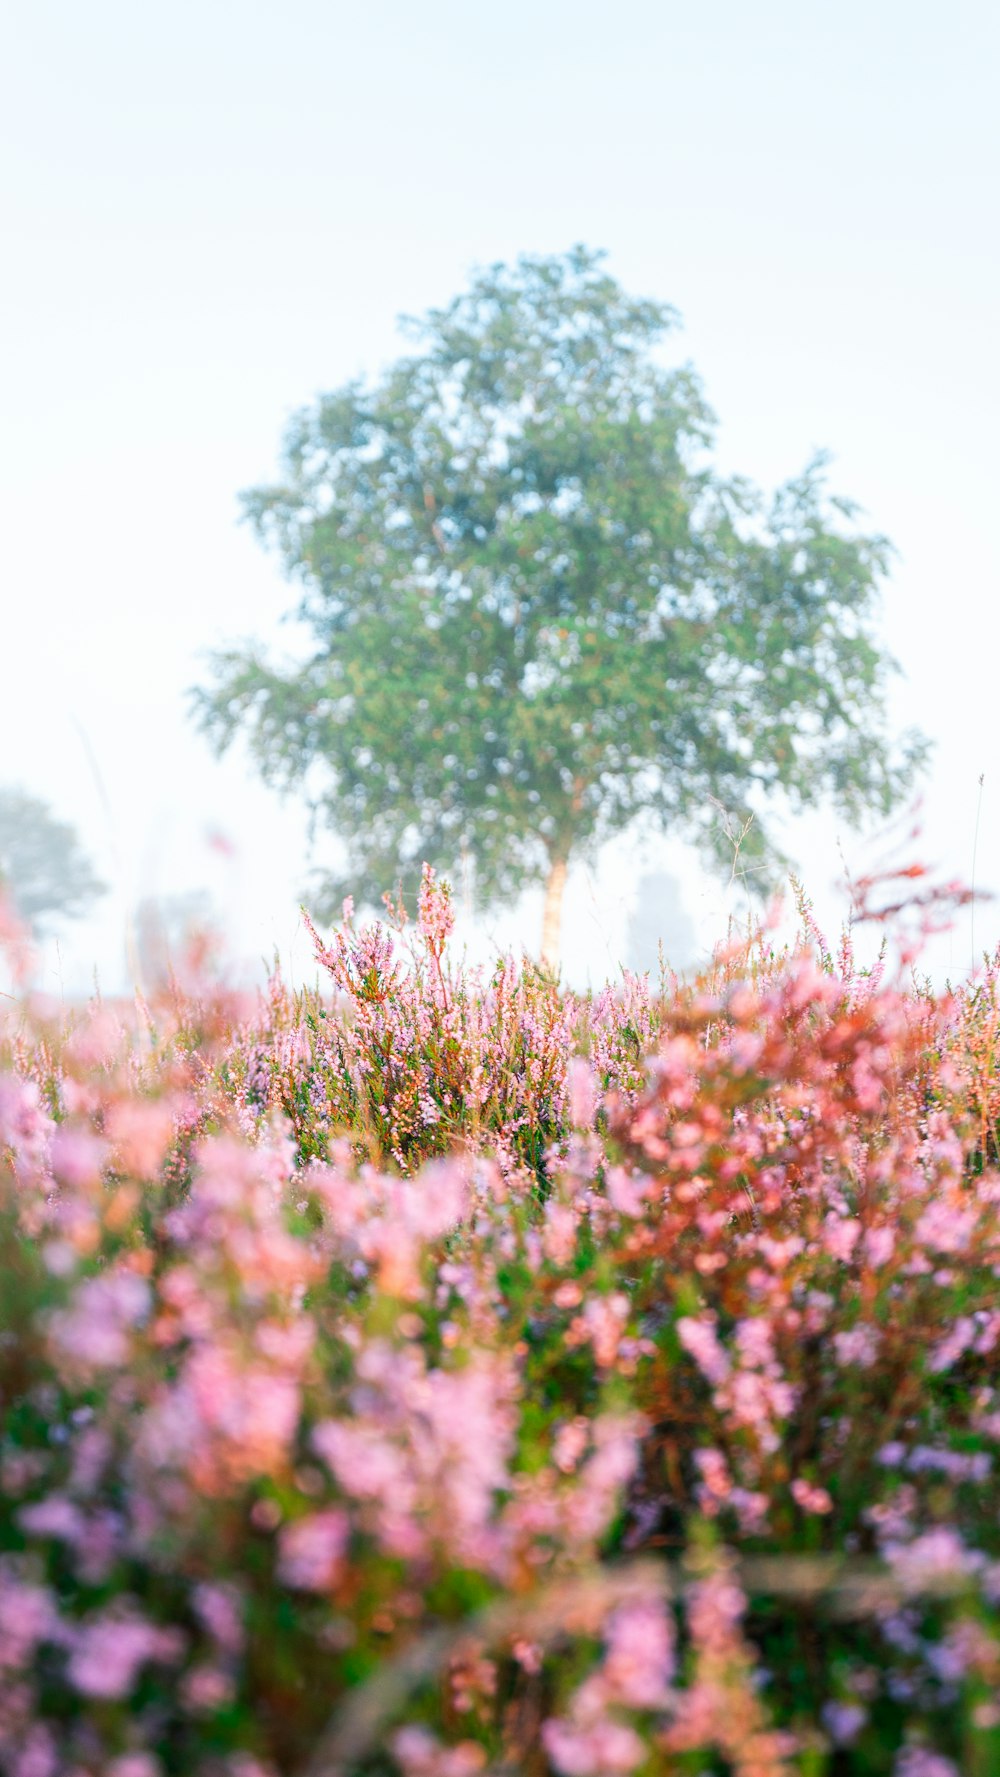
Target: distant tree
pixel 42 864
pixel 537 613
pixel 659 922
pixel 165 927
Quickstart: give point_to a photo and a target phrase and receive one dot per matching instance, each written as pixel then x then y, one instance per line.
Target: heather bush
pixel 443 1373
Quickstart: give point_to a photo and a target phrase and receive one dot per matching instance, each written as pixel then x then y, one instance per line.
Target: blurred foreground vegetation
pixel 444 1373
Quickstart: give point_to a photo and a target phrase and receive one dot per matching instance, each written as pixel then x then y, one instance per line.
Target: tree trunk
pixel 552 917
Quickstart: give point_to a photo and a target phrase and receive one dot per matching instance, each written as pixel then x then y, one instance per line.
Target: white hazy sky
pixel 213 211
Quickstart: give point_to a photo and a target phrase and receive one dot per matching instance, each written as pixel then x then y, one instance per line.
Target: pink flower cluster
pixel 457 1374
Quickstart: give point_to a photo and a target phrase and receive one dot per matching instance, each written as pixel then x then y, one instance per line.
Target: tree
pixel 538 614
pixel 42 864
pixel 166 928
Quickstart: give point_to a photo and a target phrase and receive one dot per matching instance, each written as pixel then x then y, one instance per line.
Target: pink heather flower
pixel 286 1344
pixel 754 1339
pixel 810 1498
pixel 948 1350
pixel 219 1608
pixel 700 1340
pixel 568 1295
pixel 415 1750
pixel 751 1510
pixel 676 1064
pixel 715 1485
pixel 434 1203
pixel 77 1157
pixel 141 1131
pixel 858 1346
pixel 945 1229
pixel 205 1689
pixel 569 1444
pixel 744 1048
pixel 967 1649
pixel 715 1610
pixel 604 1319
pixel 958 1466
pixel 92 1453
pixel 640 1660
pixel 893 1518
pixel 363 1461
pixel 252 1409
pixel 580 1086
pixel 600 1748
pixel 311 1550
pixel 96 1042
pixel 757 1401
pixel 594 1499
pixel 892 1454
pixel 28 1615
pixel 232 1176
pixel 56 1516
pixel 395 1250
pixel 472 1678
pixel 879 1244
pixel 419 1753
pixel 843 1721
pixel 780 1253
pixel 559 1232
pixel 528 1654
pixel 840 1236
pixel 435 912
pixel 627 1191
pixel 471 1424
pixel 989 1332
pixel 943 1151
pixel 108 1653
pixel 37 1755
pixel 939 1554
pixel 94 1330
pixel 59 1257
pixel 868 1086
pixel 25 1127
pixel 919 1761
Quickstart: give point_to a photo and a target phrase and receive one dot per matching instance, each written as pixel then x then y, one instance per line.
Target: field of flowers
pixel 442 1373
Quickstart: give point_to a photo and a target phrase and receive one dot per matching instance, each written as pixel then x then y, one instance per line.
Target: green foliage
pixel 538 614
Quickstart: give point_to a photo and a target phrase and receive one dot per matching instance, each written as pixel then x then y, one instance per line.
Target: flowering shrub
pixel 447 1374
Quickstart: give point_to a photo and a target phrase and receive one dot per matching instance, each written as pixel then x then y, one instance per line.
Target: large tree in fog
pixel 537 612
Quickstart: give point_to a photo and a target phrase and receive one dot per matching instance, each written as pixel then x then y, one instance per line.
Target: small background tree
pixel 165 928
pixel 42 864
pixel 538 614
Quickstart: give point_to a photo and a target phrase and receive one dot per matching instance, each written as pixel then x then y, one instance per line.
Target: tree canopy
pixel 42 864
pixel 538 613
